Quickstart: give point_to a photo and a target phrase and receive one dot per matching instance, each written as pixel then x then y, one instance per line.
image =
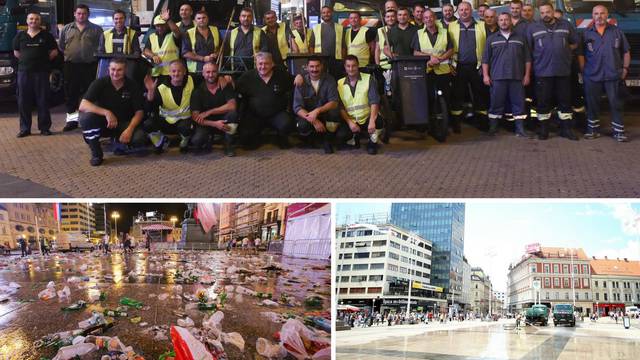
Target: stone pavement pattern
pixel 489 341
pixel 468 165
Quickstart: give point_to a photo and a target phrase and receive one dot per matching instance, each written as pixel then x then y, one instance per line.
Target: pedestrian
pixel 35 50
pixel 79 42
pixel 604 63
pixel 105 244
pixel 147 239
pixel 506 67
pixel 552 41
pixel 23 246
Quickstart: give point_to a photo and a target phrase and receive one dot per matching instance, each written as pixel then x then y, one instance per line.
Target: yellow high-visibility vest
pixel 384 60
pixel 167 53
pixel 438 49
pixel 317 35
pixel 303 45
pixel 359 46
pixel 481 38
pixel 192 66
pixel 170 110
pixel 255 40
pixel 281 36
pixel 129 38
pixel 357 105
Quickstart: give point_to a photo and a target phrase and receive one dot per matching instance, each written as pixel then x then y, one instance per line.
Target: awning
pixel 157 227
pixel 349 308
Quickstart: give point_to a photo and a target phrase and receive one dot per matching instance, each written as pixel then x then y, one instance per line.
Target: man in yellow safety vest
pixel 120 40
pixel 359 39
pixel 327 39
pixel 161 45
pixel 301 37
pixel 245 41
pixel 278 36
pixel 200 46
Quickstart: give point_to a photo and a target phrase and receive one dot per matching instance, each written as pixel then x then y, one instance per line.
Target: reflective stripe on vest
pixel 128 40
pixel 438 49
pixel 357 106
pixel 317 34
pixel 481 38
pixel 303 46
pixel 192 66
pixel 384 61
pixel 255 40
pixel 171 111
pixel 281 36
pixel 359 47
pixel 167 53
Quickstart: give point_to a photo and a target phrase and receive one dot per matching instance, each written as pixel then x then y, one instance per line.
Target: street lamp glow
pixel 173 219
pixel 115 216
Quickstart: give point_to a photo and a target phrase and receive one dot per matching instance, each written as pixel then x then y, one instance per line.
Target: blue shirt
pixel 603 54
pixel 467 45
pixel 506 57
pixel 521 27
pixel 550 47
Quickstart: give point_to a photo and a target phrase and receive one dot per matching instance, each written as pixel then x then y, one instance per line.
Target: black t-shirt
pixel 266 99
pixel 123 103
pixel 34 51
pixel 401 39
pixel 203 100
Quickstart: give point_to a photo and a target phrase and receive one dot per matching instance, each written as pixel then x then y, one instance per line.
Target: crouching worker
pixel 213 109
pixel 360 106
pixel 173 101
pixel 112 106
pixel 316 106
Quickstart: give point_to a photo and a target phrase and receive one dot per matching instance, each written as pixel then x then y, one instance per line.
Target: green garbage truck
pixel 537 314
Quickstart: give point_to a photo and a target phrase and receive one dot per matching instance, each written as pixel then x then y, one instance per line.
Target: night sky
pixel 128 210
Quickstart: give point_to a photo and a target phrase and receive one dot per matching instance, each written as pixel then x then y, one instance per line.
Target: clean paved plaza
pixel 467 166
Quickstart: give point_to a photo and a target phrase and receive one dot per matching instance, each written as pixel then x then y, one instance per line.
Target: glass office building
pixel 443 225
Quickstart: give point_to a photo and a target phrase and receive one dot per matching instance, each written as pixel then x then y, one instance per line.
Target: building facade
pixel 385 268
pixel 563 274
pixel 615 284
pixel 102 220
pixel 480 291
pixel 227 222
pixel 25 218
pixel 273 221
pixel 5 227
pixel 249 220
pixel 443 225
pixel 77 217
pixel 465 299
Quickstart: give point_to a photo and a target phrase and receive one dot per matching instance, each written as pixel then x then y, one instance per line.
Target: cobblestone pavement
pixel 468 165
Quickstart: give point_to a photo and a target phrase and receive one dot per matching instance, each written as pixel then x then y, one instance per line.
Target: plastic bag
pixel 187 322
pixel 214 321
pixel 270 350
pixel 294 335
pixel 94 295
pixel 64 293
pixel 46 294
pixel 71 351
pixel 186 346
pixel 268 302
pixel 234 339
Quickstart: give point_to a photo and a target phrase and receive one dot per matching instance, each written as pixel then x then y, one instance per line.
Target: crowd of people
pixel 511 63
pixel 388 318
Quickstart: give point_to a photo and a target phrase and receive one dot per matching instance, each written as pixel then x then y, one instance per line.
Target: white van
pixel 73 241
pixel 631 311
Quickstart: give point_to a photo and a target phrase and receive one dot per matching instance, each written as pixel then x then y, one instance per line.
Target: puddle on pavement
pixel 262 292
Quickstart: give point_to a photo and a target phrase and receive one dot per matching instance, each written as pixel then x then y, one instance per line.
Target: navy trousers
pixel 33 90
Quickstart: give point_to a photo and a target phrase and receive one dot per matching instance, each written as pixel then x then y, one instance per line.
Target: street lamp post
pixel 409 295
pixel 115 216
pixel 173 222
pixel 573 284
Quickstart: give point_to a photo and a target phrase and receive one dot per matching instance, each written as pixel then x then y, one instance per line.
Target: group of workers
pixel 505 60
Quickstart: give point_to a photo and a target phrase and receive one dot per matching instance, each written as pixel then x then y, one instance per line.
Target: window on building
pixel 575 269
pixel 586 296
pixel 394 256
pixel 556 268
pixel 585 269
pixel 546 268
pixel 403 270
pixel 376 266
pixel 361 255
pixel 606 297
pixel 577 296
pixel 546 295
pixel 557 295
pixel 348 245
pixel 604 284
pixel 576 282
pixel 358 278
pixel 547 282
pixel 598 296
pixel 375 277
pixel 377 254
pixel 344 279
pixel 392 267
pixel 374 290
pixel 404 259
pixel 380 243
pixel 556 282
pixel 394 245
pixel 360 267
pixel 595 283
pixel 532 268
pixel 360 290
pixel 405 248
pixel 565 269
pixel 344 290
pixel 585 283
pixel 566 282
pixel 348 256
pixel 566 296
pixel 346 267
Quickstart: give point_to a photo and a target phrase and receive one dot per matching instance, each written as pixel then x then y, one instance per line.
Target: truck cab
pixel 537 314
pixel 564 314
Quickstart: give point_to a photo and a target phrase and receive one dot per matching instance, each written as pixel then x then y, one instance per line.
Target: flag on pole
pixel 207 215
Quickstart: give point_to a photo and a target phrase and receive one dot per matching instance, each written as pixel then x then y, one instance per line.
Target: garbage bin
pixel 297 63
pixel 626 322
pixel 411 75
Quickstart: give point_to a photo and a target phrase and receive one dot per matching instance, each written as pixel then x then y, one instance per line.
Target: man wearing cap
pixel 246 40
pixel 161 45
pixel 327 39
pixel 316 105
pixel 78 41
pixel 200 46
pixel 213 110
pixel 173 101
pixel 360 106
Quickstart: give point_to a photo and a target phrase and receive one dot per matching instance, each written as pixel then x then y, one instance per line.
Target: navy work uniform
pixel 551 51
pixel 507 55
pixel 468 44
pixel 195 42
pixel 603 69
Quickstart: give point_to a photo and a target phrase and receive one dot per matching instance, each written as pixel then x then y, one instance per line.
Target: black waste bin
pixel 411 75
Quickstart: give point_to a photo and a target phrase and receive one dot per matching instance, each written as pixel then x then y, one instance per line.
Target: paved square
pixel 467 166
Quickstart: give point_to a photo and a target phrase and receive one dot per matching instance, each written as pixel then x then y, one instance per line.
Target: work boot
pixel 591 134
pixel 72 125
pixel 229 150
pixel 620 137
pixel 162 146
pixel 455 124
pixel 566 130
pixel 326 143
pixel 96 152
pixel 22 134
pixel 520 131
pixel 493 126
pixel 372 148
pixel 543 133
pixel 184 144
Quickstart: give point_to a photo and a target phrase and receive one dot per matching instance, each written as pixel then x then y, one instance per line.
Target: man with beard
pixel 551 41
pixel 519 24
pixel 316 105
pixel 200 46
pixel 327 39
pixel 506 67
pixel 246 40
pixel 113 107
pixel 528 13
pixel 448 15
pixel 213 109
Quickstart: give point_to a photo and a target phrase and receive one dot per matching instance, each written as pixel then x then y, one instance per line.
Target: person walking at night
pixel 23 246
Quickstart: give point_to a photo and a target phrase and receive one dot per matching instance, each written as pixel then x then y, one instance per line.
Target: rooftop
pixel 615 267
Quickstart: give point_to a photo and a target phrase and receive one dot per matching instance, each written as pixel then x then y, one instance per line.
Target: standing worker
pixel 418 10
pixel 519 23
pixel 604 63
pixel 200 46
pixel 35 49
pixel 360 39
pixel 161 46
pixel 121 40
pixel 301 37
pixel 448 15
pixel 469 37
pixel 186 18
pixel 246 40
pixel 506 67
pixel 381 58
pixel 327 39
pixel 79 42
pixel 278 36
pixel 551 41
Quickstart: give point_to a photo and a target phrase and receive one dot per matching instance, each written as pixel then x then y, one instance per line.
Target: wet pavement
pixel 489 341
pixel 161 281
